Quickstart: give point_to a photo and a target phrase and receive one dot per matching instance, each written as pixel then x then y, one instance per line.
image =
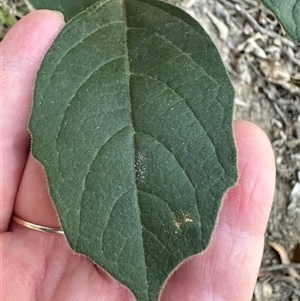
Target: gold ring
pixel 35 226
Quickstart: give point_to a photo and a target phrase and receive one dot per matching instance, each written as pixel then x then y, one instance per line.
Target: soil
pixel 260 60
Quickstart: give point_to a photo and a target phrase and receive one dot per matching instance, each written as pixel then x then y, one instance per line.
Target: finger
pixel 33 202
pixel 227 270
pixel 22 51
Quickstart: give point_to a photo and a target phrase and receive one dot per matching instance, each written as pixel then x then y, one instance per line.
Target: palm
pixel 41 266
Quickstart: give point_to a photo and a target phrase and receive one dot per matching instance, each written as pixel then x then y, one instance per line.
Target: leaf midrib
pixel 129 76
pixel 127 68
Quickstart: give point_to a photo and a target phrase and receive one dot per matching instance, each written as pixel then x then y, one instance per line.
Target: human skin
pixel 41 266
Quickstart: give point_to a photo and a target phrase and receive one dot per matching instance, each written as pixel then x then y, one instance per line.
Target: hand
pixel 41 266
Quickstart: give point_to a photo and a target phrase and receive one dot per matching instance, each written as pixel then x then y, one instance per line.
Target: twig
pixel 231 5
pixel 226 3
pixel 280 113
pixel 262 30
pixel 276 108
pixel 250 2
pixel 291 57
pixel 29 5
pixel 10 9
pixel 279 267
pixel 293 289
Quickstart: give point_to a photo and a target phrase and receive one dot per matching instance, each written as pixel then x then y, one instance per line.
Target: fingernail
pixel 59 13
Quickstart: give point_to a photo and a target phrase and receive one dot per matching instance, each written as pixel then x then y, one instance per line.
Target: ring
pixel 35 226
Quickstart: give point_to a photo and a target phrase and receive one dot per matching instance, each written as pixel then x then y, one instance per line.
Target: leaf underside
pixel 132 120
pixel 288 14
pixel 69 8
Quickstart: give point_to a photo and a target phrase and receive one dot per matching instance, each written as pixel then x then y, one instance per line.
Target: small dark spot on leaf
pixel 186 219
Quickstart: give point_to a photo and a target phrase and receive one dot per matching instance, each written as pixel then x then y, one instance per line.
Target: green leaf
pixel 69 8
pixel 288 14
pixel 132 120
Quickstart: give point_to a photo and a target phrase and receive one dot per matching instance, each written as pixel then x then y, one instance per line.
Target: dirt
pixel 260 60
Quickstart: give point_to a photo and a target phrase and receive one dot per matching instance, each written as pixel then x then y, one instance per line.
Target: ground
pixel 263 64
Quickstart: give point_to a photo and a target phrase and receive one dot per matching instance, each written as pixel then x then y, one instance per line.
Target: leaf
pixel 295 81
pixel 284 257
pixel 132 120
pixel 288 14
pixel 69 8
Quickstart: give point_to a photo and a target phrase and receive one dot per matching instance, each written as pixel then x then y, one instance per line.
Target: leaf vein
pixel 192 111
pixel 74 46
pixel 155 236
pixel 182 52
pixel 111 211
pixel 180 165
pixel 153 194
pixel 71 99
pixel 88 171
